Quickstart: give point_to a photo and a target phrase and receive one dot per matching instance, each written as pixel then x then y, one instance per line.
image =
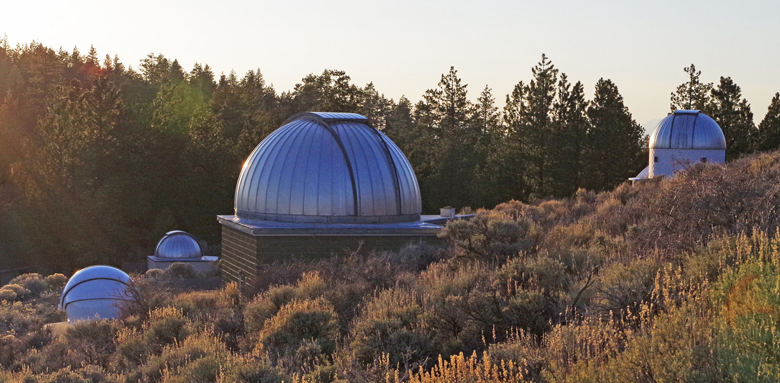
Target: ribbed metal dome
pixel 688 129
pixel 178 244
pixel 328 168
pixel 94 292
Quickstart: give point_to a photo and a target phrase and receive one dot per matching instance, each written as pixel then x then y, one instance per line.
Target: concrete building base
pixel 204 265
pixel 249 244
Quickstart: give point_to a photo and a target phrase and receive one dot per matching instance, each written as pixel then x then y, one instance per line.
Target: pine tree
pixel 769 128
pixel 692 95
pixel 732 113
pixel 444 116
pixel 570 128
pixel 508 161
pixel 536 127
pixel 615 145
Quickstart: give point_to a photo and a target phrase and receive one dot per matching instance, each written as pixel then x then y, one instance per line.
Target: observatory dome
pixel 688 129
pixel 328 168
pixel 94 292
pixel 178 244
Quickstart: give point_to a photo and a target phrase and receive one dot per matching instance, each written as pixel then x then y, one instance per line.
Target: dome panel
pixel 688 129
pixel 328 168
pixel 178 244
pixel 407 182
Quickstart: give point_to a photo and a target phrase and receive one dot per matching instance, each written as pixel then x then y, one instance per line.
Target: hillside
pixel 672 280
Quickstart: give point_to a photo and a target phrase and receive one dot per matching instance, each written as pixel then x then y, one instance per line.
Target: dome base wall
pixel 249 246
pixel 673 161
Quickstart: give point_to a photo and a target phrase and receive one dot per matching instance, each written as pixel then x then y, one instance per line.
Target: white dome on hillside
pixel 683 138
pixel 178 244
pixel 95 292
pixel 688 129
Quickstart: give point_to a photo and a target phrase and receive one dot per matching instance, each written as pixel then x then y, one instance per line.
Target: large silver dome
pixel 178 244
pixel 328 168
pixel 688 129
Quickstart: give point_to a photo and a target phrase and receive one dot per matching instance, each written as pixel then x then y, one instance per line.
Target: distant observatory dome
pixel 178 244
pixel 328 168
pixel 688 129
pixel 94 292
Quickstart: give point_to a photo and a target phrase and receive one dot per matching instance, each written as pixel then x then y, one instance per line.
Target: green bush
pixel 249 369
pixel 33 282
pixel 166 326
pixel 267 304
pixel 490 235
pixel 181 270
pixel 298 322
pixel 391 324
pixel 21 292
pixel 7 295
pixel 56 281
pixel 623 288
pixel 199 358
pixel 154 273
pixel 92 341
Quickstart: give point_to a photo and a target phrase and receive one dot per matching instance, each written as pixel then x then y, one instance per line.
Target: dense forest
pixel 662 281
pixel 98 160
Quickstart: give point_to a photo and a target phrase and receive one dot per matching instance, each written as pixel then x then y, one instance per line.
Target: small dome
pixel 94 292
pixel 328 168
pixel 688 129
pixel 178 244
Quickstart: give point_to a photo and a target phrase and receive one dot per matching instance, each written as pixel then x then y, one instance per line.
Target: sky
pixel 404 46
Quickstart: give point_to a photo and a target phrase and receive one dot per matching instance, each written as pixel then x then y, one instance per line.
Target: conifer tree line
pixel 98 159
pixel 725 104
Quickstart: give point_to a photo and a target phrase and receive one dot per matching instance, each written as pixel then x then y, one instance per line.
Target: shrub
pixel 132 349
pixel 56 281
pixel 298 322
pixel 542 272
pixel 199 358
pixel 391 324
pixel 489 236
pixel 181 270
pixel 7 295
pixel 247 369
pixel 202 304
pixel 166 326
pixel 144 296
pixel 154 273
pixel 92 341
pixel 267 304
pixel 21 292
pixel 623 288
pixel 33 282
pixel 417 256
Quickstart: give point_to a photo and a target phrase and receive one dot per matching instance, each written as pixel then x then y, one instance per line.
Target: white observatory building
pixel 180 246
pixel 95 292
pixel 682 139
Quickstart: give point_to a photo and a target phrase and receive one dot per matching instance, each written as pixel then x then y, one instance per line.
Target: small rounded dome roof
pixel 95 283
pixel 688 129
pixel 178 244
pixel 328 168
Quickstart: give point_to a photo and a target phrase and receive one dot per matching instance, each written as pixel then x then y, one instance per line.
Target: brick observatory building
pixel 320 184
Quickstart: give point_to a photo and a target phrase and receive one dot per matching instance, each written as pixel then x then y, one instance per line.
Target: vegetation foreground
pixel 673 280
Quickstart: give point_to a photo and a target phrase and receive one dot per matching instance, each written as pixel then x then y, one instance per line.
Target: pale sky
pixel 404 46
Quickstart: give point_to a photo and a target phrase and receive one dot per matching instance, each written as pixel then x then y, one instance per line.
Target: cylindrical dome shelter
pixel 180 246
pixel 682 139
pixel 322 183
pixel 94 292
